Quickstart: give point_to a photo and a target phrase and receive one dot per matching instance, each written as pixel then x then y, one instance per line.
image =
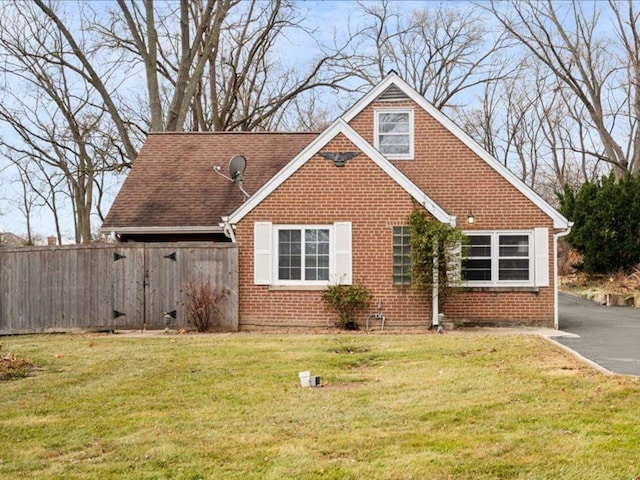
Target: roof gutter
pixel 161 230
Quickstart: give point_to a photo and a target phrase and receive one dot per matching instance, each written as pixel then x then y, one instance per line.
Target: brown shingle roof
pixel 8 239
pixel 172 182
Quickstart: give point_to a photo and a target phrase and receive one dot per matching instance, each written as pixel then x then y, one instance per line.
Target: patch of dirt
pixel 618 283
pixel 336 386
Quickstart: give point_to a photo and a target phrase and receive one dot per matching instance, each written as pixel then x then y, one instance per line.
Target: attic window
pixel 394 133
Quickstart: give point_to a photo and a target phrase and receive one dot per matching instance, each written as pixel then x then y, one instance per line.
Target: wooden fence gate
pixel 108 287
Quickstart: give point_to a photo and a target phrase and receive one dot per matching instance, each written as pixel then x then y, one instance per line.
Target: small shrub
pixel 13 366
pixel 347 301
pixel 202 305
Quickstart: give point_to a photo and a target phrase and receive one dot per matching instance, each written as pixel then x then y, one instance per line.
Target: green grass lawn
pixel 456 406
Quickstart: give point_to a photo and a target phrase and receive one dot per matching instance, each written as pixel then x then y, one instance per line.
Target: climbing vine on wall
pixel 431 239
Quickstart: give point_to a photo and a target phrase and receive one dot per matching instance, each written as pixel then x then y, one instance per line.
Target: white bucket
pixel 304 379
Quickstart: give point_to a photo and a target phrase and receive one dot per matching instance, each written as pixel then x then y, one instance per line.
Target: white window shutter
pixel 541 252
pixel 262 253
pixel 342 253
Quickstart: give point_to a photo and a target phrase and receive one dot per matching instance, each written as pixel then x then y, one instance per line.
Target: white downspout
pixel 556 236
pixel 434 293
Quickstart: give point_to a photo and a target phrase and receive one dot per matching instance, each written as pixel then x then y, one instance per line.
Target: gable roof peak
pixel 392 94
pixel 398 86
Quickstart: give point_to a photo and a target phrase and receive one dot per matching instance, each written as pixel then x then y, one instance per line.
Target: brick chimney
pixel 51 241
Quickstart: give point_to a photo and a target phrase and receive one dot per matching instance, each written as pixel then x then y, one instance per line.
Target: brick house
pixel 312 219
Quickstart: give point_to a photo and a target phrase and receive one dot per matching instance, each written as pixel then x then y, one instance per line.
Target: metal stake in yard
pixel 167 322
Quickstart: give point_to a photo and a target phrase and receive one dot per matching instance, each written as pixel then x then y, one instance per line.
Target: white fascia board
pixel 559 221
pixel 162 230
pixel 340 126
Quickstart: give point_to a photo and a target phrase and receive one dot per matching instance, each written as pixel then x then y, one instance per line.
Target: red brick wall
pixel 321 193
pixel 459 181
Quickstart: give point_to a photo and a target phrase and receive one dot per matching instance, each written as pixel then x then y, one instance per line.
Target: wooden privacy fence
pixel 113 286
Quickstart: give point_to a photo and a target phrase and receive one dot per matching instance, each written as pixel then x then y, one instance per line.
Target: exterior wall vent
pixel 393 94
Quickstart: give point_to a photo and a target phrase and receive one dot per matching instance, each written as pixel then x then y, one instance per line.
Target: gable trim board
pixel 342 127
pixel 392 79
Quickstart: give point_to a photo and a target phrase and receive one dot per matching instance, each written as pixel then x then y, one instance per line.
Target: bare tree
pixel 308 112
pixel 41 187
pixel 218 68
pixel 26 204
pixel 78 58
pixel 184 72
pixel 55 119
pixel 71 94
pixel 440 50
pixel 627 18
pixel 528 124
pixel 600 75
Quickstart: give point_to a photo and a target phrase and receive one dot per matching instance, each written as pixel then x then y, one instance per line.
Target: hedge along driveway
pixel 393 406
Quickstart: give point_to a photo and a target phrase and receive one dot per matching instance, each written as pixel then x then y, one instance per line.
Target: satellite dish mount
pixel 237 165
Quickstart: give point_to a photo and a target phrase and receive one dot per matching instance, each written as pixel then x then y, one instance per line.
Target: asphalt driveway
pixel 608 336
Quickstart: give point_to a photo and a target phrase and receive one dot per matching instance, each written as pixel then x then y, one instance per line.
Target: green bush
pixel 432 240
pixel 347 301
pixel 606 216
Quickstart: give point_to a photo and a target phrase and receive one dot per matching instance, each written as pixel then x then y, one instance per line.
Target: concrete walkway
pixel 608 336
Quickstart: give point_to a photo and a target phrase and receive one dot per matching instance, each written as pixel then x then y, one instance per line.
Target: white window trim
pixel 275 266
pixel 495 260
pixel 376 132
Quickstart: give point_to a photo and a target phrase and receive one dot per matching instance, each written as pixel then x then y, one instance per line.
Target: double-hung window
pixel 477 262
pixel 303 254
pixel 514 258
pixel 498 258
pixel 394 133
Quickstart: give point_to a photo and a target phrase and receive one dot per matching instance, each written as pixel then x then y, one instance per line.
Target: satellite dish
pixel 237 164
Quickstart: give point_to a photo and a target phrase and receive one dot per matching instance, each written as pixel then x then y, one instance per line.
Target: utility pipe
pixel 556 236
pixel 434 293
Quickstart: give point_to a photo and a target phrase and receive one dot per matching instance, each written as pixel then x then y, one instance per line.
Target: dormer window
pixel 394 133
